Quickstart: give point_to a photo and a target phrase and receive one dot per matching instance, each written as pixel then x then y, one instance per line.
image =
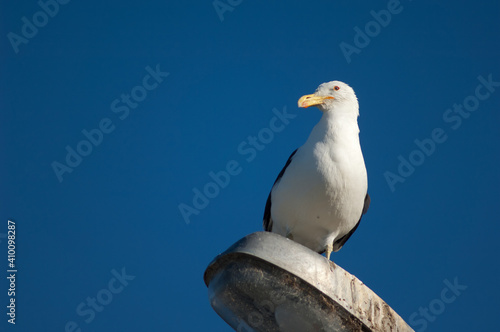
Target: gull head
pixel 330 96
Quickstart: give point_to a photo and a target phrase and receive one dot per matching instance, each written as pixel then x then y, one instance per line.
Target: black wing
pixel 340 242
pixel 268 222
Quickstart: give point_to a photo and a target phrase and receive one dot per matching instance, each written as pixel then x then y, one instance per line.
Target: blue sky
pixel 155 96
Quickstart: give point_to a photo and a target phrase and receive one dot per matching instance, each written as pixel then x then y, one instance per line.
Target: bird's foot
pixel 332 265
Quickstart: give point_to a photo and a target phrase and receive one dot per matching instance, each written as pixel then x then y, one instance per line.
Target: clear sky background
pixel 115 210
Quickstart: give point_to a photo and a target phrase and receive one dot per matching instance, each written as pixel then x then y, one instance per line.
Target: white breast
pixel 321 195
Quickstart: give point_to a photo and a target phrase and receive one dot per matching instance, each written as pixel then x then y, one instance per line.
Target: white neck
pixel 337 125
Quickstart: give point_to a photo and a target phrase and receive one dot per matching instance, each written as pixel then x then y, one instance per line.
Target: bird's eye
pixel 337 88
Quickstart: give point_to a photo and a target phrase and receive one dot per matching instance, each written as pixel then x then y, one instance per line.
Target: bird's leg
pixel 328 251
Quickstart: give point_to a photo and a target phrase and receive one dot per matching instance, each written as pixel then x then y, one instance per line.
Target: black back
pixel 337 245
pixel 268 221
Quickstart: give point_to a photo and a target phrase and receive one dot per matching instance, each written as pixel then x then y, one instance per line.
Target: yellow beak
pixel 312 100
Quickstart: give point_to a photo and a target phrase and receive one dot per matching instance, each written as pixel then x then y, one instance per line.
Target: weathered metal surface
pixel 265 282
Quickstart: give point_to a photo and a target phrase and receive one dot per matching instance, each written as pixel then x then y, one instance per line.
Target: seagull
pixel 321 194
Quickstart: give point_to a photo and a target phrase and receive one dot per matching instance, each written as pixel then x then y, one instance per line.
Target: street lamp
pixel 265 282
